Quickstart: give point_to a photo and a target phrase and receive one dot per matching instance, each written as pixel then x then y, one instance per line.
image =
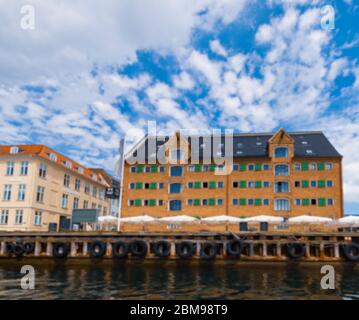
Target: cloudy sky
pixel 92 71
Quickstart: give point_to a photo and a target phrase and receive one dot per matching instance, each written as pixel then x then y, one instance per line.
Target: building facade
pixel 40 188
pixel 280 174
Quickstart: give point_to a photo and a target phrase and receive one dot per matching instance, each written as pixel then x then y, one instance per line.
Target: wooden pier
pixel 204 245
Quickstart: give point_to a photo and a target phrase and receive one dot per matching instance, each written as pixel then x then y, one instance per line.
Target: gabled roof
pixel 306 145
pixel 46 153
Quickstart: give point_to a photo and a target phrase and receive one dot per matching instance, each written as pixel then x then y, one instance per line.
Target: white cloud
pixel 217 48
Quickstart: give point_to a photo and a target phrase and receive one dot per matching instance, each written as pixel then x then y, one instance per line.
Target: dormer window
pixel 68 164
pixel 281 152
pixel 14 150
pixel 53 157
pixel 309 151
pixel 80 170
pixel 93 176
pixel 305 142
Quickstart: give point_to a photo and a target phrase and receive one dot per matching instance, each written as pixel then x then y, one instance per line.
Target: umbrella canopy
pixel 264 219
pixel 138 219
pixel 222 219
pixel 309 219
pixel 349 220
pixel 178 219
pixel 107 219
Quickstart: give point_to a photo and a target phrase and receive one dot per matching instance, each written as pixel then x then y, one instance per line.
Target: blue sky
pixel 91 72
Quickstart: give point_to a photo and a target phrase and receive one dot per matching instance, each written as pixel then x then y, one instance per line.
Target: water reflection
pixel 162 279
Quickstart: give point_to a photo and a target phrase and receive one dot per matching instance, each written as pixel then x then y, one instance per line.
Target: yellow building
pixel 279 174
pixel 39 188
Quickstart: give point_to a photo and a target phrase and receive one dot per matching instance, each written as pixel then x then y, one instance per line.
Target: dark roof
pixel 306 144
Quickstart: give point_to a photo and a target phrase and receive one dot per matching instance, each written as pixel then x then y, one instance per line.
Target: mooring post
pixel 84 248
pixel 109 249
pixel 336 250
pixel 173 249
pixel 224 249
pixel 198 248
pixel 37 248
pixel 3 248
pixel 73 249
pixel 250 249
pixel 279 249
pixel 49 249
pixel 264 249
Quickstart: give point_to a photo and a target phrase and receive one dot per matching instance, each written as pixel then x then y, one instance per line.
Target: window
pixel 147 186
pixel 37 218
pixel 329 183
pixel 250 202
pixel 132 169
pixel 281 205
pixel 281 170
pixel 220 184
pixel 190 202
pixel 94 192
pixel 76 203
pixel 219 202
pixel 93 205
pixel 281 186
pixel 258 167
pixel 162 169
pixel 19 216
pixel 266 184
pixel 24 168
pixel 251 167
pixel 68 164
pixel 161 185
pixel 191 168
pixel 205 185
pixel 266 167
pixel 87 188
pixel 297 202
pixel 281 152
pixel 313 184
pixel 313 202
pixel 297 184
pixel 7 192
pixel 266 202
pixel 205 202
pixel 177 155
pixel 175 205
pixel 77 184
pixel 305 166
pixel 14 150
pixel 64 201
pixel 42 170
pixel 330 202
pixel 205 168
pixel 10 168
pixel 176 171
pixel 313 166
pixel 86 204
pixel 235 184
pixel 66 181
pixel 235 202
pixel 147 169
pixel 190 185
pixel 251 184
pixel 235 167
pixel 328 166
pixel 53 157
pixel 4 218
pixel 21 192
pixel 297 167
pixel 40 194
pixel 175 188
pixel 160 202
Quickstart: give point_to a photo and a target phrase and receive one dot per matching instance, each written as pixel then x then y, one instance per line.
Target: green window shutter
pixel 197 185
pixel 305 166
pixel 242 201
pixel 258 184
pixel 140 169
pixel 243 184
pixel 152 202
pixel 305 183
pixel 138 202
pixel 197 168
pixel 138 185
pixel 242 167
pixel 305 202
pixel 321 202
pixel 153 185
pixel 154 168
pixel 197 202
pixel 212 167
pixel 320 166
pixel 212 201
pixel 212 184
pixel 321 184
pixel 258 202
pixel 258 166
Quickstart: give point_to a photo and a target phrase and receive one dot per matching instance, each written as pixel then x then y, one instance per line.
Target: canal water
pixel 86 279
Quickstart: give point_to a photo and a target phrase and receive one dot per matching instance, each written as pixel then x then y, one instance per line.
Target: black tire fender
pixel 97 249
pixel 60 250
pixel 120 250
pixel 185 249
pixel 351 252
pixel 208 250
pixel 138 248
pixel 296 250
pixel 162 248
pixel 234 247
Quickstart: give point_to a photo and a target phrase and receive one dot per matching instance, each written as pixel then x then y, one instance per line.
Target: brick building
pixel 280 174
